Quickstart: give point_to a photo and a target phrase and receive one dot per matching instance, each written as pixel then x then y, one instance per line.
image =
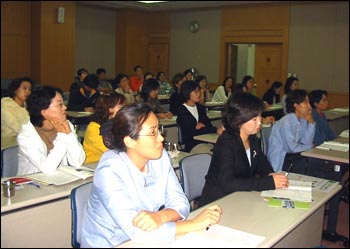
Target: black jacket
pixel 188 123
pixel 229 170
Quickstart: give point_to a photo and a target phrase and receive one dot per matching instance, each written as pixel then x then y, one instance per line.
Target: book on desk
pixel 296 191
pixel 63 175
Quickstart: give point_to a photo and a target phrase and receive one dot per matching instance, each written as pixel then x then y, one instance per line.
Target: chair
pixel 180 138
pixel 264 138
pixel 193 169
pixel 9 161
pixel 79 198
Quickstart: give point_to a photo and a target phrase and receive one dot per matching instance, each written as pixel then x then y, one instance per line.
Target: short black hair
pixel 100 70
pixel 186 88
pixel 315 96
pixel 80 71
pixel 91 81
pixel 128 122
pixel 288 84
pixel 16 83
pixel 295 97
pixel 136 67
pixel 240 108
pixel 40 99
pixel 148 86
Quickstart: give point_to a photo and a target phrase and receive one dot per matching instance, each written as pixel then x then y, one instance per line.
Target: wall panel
pixel 15 39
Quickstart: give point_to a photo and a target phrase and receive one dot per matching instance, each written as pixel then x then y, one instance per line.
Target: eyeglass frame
pixel 156 132
pixel 59 105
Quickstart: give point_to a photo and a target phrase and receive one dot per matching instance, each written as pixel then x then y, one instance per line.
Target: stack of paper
pixel 296 191
pixel 341 109
pixel 344 134
pixel 218 237
pixel 63 175
pixel 333 145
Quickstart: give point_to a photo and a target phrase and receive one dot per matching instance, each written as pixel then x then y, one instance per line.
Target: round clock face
pixel 194 26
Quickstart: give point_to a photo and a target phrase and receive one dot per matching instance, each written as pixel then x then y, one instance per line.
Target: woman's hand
pixel 199 125
pixel 60 125
pixel 209 216
pixel 280 179
pixel 147 220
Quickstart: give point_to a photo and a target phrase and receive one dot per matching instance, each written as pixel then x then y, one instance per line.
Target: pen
pixel 34 184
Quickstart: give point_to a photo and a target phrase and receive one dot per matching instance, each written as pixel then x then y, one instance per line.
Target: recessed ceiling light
pixel 152 1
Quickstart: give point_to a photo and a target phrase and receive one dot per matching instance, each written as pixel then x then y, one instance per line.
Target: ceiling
pixel 168 5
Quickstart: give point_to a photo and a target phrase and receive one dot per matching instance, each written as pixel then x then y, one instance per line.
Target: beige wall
pixel 319 46
pixel 95 39
pixel 200 50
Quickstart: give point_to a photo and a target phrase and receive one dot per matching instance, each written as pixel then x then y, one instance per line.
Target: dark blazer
pixel 269 95
pixel 188 123
pixel 175 102
pixel 230 171
pixel 78 99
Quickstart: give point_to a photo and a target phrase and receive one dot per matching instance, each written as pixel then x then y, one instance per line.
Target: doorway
pixel 263 61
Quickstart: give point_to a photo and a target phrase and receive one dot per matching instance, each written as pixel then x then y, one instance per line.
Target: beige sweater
pixel 12 117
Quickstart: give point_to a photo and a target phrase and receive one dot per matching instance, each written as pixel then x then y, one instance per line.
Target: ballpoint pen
pixel 37 185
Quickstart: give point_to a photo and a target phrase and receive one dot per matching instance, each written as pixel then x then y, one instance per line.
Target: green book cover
pixel 275 202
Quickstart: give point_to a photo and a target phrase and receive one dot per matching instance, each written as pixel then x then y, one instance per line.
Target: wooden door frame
pixel 254 40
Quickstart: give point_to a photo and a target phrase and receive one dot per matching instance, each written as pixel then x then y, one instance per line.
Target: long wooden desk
pixel 41 217
pixel 209 138
pixel 170 127
pixel 281 227
pixel 331 155
pixel 338 119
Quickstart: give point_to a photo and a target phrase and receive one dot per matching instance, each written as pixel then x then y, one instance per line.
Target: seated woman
pixel 123 87
pixel 48 139
pixel 319 103
pixel 222 93
pixel 165 87
pixel 272 95
pixel 84 98
pixel 13 108
pixel 149 94
pixel 291 84
pixel 136 194
pixel 248 83
pixel 175 100
pixel 293 133
pixel 192 118
pixel 107 107
pixel 201 80
pixel 238 164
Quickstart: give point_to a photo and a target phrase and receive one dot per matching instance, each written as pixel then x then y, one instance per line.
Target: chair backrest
pixel 193 169
pixel 179 137
pixel 79 198
pixel 264 137
pixel 9 161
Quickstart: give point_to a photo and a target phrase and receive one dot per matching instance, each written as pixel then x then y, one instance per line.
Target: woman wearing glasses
pixel 136 194
pixel 48 139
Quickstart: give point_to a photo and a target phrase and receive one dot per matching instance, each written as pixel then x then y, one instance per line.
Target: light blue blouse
pixel 289 135
pixel 120 191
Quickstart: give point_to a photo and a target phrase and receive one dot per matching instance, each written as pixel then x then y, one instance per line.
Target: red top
pixel 135 83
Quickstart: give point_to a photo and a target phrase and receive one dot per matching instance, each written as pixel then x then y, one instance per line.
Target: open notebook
pixel 296 191
pixel 333 145
pixel 63 175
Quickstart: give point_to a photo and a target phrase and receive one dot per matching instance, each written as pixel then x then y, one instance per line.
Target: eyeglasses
pixel 59 105
pixel 156 132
